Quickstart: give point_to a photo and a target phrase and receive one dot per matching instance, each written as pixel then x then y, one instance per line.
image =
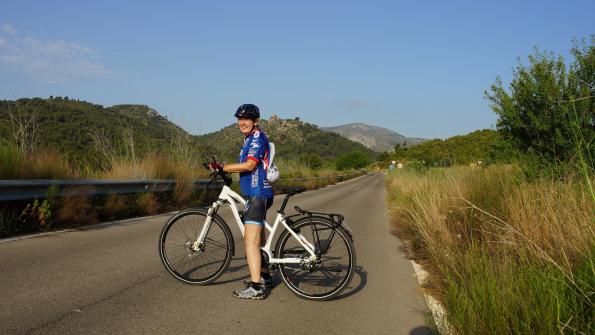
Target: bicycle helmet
pixel 249 111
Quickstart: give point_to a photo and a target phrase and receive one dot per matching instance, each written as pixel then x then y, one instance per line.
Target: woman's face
pixel 246 125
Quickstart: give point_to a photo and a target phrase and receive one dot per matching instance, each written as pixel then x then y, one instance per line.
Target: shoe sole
pixel 253 298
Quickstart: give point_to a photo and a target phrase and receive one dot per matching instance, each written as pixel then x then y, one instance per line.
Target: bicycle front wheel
pixel 180 256
pixel 331 273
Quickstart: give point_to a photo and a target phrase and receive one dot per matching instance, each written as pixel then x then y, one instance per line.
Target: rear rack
pixel 337 219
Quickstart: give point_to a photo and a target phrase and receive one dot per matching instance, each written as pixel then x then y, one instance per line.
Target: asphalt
pixel 108 279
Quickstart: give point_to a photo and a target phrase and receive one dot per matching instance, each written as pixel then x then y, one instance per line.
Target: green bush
pixel 352 160
pixel 313 161
pixel 548 111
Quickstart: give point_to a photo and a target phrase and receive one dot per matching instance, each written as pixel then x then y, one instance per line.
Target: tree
pixel 352 160
pixel 21 124
pixel 547 104
pixel 383 157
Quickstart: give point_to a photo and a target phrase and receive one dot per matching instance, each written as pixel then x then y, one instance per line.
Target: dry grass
pixel 146 204
pixel 41 164
pixel 450 206
pixel 556 217
pixel 50 164
pixel 113 206
pixel 76 207
pixel 510 256
pixel 184 187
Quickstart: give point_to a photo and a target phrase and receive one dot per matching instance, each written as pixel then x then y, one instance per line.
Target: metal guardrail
pixel 29 189
pixel 339 178
pixel 18 190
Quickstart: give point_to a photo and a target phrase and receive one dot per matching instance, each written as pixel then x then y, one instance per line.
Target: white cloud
pixel 8 30
pixel 50 60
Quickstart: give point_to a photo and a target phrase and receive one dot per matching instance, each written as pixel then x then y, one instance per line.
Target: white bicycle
pixel 314 254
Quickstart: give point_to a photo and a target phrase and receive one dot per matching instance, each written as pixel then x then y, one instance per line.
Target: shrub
pixel 146 204
pixel 75 207
pixel 353 160
pixel 313 161
pixel 548 111
pixel 114 206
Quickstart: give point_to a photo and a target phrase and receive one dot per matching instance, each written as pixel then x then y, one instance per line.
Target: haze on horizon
pixel 417 69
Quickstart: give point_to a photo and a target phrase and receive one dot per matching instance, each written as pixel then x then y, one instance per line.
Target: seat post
pixel 282 209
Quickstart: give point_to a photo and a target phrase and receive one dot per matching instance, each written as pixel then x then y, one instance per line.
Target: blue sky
pixel 420 69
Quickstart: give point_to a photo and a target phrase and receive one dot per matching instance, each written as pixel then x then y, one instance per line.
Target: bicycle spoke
pixel 331 273
pixel 195 266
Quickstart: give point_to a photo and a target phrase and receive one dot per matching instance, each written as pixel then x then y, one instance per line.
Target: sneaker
pixel 250 293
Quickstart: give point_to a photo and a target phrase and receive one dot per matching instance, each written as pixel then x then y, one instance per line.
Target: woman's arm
pixel 248 165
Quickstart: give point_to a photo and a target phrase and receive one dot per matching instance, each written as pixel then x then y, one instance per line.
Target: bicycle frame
pixel 228 196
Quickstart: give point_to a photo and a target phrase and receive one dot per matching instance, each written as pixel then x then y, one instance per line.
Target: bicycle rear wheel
pixel 331 273
pixel 191 266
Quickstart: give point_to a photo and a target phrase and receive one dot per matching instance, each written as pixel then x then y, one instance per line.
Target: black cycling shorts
pixel 256 210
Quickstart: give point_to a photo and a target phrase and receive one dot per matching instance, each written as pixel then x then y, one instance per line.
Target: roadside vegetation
pixel 23 157
pixel 511 241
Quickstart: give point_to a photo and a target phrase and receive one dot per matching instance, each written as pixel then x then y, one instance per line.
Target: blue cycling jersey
pixel 256 148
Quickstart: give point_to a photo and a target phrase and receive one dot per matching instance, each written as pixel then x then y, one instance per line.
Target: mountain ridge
pixel 373 137
pixel 73 128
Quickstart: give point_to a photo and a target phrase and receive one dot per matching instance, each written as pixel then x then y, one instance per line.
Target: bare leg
pixel 252 238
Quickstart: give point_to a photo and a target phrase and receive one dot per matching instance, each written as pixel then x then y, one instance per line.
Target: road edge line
pixel 69 230
pixel 436 309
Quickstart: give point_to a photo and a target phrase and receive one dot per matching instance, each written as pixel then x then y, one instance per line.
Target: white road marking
pixel 436 308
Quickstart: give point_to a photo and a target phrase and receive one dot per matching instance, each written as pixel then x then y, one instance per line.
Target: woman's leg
pixel 252 240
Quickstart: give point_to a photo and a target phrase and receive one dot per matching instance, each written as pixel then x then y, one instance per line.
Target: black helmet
pixel 249 111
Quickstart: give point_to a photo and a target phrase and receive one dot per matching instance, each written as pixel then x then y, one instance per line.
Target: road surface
pixel 108 279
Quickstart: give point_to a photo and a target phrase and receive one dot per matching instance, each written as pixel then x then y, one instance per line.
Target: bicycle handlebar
pixel 214 174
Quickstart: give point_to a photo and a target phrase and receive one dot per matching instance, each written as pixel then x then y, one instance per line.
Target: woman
pixel 255 187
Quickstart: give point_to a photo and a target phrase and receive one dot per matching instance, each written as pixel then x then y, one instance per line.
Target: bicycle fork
pixel 199 244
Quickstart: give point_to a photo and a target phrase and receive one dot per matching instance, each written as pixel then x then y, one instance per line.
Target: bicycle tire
pixel 339 258
pixel 195 267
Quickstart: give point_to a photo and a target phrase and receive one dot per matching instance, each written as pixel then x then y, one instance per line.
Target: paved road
pixel 108 280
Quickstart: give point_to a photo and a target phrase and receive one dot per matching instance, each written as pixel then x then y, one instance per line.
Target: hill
pixel 72 127
pixel 293 139
pixel 80 129
pixel 480 145
pixel 376 138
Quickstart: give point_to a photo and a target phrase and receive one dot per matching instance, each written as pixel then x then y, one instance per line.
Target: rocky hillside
pixel 375 138
pixel 292 137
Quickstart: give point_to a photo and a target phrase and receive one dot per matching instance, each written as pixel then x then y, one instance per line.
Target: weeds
pixel 146 204
pixel 514 256
pixel 76 207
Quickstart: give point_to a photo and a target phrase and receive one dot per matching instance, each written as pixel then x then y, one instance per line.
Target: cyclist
pixel 255 186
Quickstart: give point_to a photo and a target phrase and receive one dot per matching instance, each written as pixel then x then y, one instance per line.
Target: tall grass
pixel 511 256
pixel 41 164
pixel 180 161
